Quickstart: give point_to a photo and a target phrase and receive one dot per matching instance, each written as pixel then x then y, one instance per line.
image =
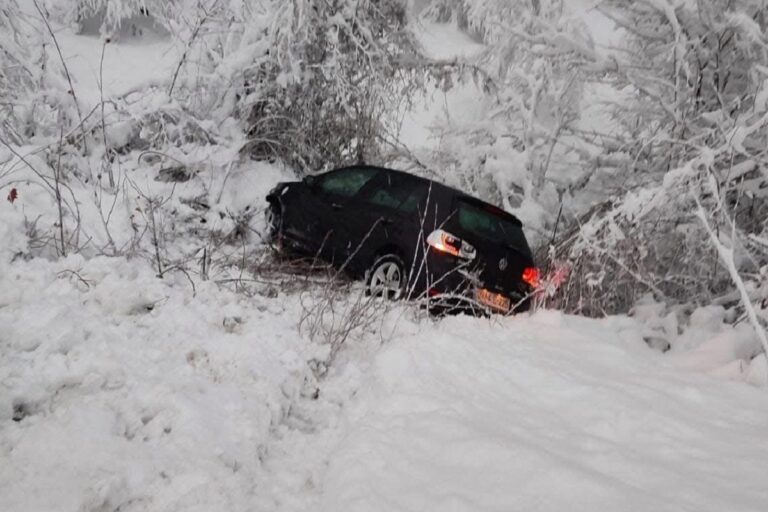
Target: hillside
pixel 156 354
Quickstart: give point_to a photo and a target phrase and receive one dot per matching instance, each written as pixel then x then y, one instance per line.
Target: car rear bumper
pixel 451 285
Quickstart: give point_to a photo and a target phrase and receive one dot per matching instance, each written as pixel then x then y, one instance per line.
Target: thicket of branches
pixel 318 84
pixel 314 84
pixel 310 84
pixel 523 153
pixel 673 202
pixel 331 82
pixel 699 110
pixel 32 88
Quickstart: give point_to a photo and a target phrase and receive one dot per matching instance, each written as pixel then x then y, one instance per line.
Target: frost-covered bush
pixel 109 16
pixel 32 95
pixel 697 108
pixel 312 83
pixel 325 91
pixel 646 241
pixel 16 79
pixel 37 98
pixel 696 71
pixel 655 240
pixel 524 153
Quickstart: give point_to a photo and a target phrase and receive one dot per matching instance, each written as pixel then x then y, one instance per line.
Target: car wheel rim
pixel 386 281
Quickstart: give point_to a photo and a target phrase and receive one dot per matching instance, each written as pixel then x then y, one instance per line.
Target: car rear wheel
pixel 386 277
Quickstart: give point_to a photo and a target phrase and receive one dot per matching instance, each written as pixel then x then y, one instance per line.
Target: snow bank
pixel 119 390
pixel 708 339
pixel 545 413
pixel 122 391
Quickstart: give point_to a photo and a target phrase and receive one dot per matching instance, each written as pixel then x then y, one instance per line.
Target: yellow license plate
pixel 493 300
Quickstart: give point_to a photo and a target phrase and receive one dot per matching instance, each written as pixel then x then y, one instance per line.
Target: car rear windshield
pixel 492 224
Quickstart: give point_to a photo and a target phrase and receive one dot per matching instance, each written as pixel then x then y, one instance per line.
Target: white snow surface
pixel 132 393
pixel 445 41
pixel 545 412
pixel 441 41
pixel 120 391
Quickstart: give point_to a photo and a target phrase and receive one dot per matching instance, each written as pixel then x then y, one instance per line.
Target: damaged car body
pixel 407 237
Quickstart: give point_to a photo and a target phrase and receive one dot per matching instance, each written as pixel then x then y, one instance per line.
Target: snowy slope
pixel 545 413
pixel 123 392
pixel 118 389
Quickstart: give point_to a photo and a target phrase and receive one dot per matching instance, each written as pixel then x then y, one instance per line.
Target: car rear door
pixel 384 213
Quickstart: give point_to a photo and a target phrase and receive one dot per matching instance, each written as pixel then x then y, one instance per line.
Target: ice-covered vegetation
pixel 155 356
pixel 605 140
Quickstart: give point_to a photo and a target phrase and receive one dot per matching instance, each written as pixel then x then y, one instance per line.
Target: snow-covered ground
pixel 123 391
pixel 120 391
pixel 545 412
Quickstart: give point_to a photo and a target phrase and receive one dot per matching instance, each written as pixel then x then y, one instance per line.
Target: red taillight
pixel 531 276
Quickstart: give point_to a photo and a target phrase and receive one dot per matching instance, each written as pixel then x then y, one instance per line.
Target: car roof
pixel 393 171
pixel 453 191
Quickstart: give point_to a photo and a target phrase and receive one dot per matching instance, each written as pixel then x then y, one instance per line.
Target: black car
pixel 407 237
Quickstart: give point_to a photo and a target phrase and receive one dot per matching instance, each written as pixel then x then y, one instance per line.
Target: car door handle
pixel 336 206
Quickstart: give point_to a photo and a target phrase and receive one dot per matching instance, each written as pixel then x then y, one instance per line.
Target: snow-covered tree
pixel 110 16
pixel 524 154
pixel 17 76
pixel 35 98
pixel 695 68
pixel 324 91
pixel 695 129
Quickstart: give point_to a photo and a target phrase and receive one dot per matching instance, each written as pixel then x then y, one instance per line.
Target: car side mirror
pixel 311 181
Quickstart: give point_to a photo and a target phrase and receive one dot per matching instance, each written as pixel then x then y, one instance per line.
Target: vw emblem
pixel 502 263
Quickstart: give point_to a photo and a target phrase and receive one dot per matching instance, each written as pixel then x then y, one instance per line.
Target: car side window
pixel 346 182
pixel 384 197
pixel 395 192
pixel 411 202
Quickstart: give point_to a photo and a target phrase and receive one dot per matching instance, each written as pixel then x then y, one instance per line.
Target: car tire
pixel 386 277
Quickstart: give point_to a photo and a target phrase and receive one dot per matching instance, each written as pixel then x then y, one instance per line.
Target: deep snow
pixel 545 412
pixel 122 391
